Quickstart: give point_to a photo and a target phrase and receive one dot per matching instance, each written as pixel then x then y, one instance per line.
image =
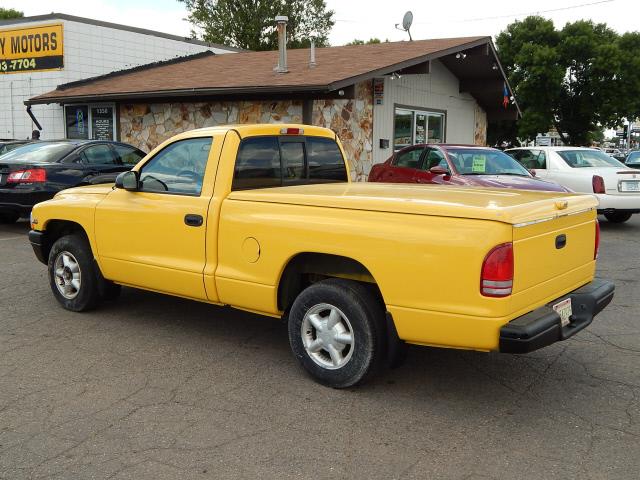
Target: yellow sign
pixel 31 49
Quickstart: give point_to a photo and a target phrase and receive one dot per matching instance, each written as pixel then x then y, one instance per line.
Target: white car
pixel 587 170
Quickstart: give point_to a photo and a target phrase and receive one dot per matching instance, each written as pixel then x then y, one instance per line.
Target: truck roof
pixel 257 129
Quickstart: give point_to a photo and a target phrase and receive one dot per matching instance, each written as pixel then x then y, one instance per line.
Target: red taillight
pixel 598 184
pixel 496 279
pixel 597 243
pixel 292 131
pixel 33 175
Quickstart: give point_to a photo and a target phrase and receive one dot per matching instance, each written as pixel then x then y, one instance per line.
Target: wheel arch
pixel 306 268
pixel 57 228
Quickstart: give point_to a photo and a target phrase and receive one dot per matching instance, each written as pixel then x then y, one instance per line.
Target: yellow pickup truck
pixel 264 218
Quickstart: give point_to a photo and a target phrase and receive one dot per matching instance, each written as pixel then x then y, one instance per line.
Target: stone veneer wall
pixel 148 125
pixel 480 131
pixel 352 120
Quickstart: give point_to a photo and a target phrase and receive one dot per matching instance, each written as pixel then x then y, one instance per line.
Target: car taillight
pixel 597 243
pixel 496 279
pixel 598 184
pixel 33 175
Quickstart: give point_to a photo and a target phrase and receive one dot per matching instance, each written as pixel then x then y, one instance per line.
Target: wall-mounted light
pixel 396 76
pixel 461 55
pixel 494 66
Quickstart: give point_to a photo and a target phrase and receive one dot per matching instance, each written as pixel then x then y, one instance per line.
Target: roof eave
pixel 407 63
pixel 190 92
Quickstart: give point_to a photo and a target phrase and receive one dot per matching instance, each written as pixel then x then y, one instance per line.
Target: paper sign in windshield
pixel 479 164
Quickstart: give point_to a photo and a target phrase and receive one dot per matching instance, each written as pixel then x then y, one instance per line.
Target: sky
pixel 364 19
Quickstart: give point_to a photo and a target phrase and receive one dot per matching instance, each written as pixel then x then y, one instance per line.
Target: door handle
pixel 193 220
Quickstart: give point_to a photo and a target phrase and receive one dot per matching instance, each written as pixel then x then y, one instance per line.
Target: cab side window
pixel 98 155
pixel 178 168
pixel 409 158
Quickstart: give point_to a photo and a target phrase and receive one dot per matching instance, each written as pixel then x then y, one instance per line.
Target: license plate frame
pixel 564 310
pixel 630 185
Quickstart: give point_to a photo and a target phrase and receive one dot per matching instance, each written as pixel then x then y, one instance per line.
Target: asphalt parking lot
pixel 154 387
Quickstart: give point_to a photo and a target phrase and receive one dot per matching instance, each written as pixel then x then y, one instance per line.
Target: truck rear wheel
pixel 617 217
pixel 72 274
pixel 336 331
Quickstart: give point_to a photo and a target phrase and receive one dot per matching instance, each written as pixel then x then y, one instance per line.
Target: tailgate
pixel 553 255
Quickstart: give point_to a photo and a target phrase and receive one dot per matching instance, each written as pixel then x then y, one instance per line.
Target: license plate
pixel 626 186
pixel 563 309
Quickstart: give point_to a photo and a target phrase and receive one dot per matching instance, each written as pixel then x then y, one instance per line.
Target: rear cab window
pixel 274 161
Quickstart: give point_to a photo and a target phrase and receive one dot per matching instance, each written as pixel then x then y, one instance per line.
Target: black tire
pixel 78 254
pixel 9 217
pixel 617 217
pixel 364 315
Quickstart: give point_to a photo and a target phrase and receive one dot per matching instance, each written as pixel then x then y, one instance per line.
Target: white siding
pixel 437 90
pixel 89 50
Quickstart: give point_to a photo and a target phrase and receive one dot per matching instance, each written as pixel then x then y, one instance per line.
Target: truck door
pixel 154 237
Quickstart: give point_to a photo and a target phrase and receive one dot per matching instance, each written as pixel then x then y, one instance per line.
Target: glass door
pixel 403 129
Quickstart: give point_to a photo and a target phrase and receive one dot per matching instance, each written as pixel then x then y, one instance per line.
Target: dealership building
pixel 378 98
pixel 39 53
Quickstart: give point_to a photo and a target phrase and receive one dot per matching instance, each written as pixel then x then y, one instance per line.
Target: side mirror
pixel 438 170
pixel 128 180
pixel 532 172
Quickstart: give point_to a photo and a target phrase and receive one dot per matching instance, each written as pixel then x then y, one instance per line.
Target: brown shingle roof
pixel 336 68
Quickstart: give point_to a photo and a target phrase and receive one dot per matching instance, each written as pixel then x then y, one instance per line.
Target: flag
pixel 505 96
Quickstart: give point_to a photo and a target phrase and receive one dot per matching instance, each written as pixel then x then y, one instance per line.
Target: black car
pixel 633 159
pixel 36 171
pixel 8 145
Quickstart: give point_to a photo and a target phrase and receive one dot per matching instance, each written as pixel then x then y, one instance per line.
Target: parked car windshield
pixel 588 158
pixel 476 161
pixel 633 158
pixel 47 152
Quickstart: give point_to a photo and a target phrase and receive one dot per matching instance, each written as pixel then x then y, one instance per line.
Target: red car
pixel 446 164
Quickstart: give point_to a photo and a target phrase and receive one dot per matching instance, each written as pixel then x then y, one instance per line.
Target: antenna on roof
pixel 407 20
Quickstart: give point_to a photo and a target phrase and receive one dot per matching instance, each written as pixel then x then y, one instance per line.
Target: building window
pixel 413 126
pixel 95 122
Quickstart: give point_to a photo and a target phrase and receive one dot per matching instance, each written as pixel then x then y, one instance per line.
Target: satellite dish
pixel 407 20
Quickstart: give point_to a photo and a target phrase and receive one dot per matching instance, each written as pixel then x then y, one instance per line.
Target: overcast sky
pixel 366 18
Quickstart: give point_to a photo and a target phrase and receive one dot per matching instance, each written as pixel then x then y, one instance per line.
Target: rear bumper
pixel 542 327
pixel 22 199
pixel 626 201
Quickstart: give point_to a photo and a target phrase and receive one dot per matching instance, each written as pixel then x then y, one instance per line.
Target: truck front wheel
pixel 336 331
pixel 71 273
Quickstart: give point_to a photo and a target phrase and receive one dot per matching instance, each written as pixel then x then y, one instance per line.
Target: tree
pixel 577 79
pixel 250 24
pixel 362 42
pixel 9 13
